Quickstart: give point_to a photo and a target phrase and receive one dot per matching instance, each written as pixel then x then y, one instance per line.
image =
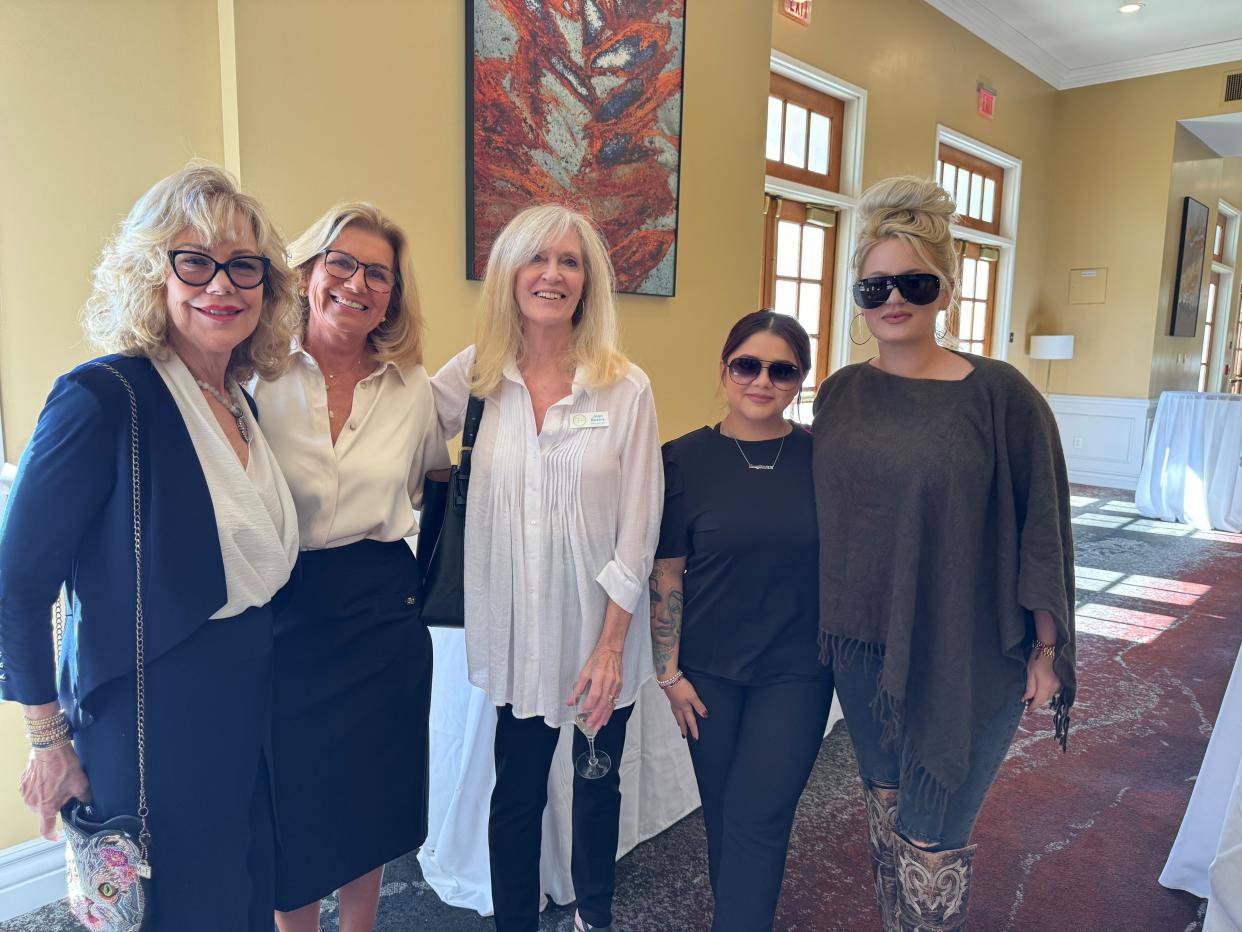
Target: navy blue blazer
pixel 68 520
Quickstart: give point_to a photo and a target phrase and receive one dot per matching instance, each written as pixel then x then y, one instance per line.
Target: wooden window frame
pixel 967 249
pixel 796 212
pixel 951 155
pixel 790 91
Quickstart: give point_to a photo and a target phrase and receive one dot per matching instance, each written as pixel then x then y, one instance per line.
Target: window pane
pixel 786 297
pixel 1207 342
pixel 817 154
pixel 795 135
pixel 966 320
pixel 989 200
pixel 787 242
pixel 983 270
pixel 808 307
pixel 775 105
pixel 1216 243
pixel 939 176
pixel 976 196
pixel 812 252
pixel 978 332
pixel 1211 303
pixel 948 180
pixel 962 191
pixel 809 380
pixel 968 277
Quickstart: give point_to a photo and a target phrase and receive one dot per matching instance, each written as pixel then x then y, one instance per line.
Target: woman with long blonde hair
pixel 561 527
pixel 353 424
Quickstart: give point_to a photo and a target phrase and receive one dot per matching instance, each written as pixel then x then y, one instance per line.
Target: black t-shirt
pixel 751 545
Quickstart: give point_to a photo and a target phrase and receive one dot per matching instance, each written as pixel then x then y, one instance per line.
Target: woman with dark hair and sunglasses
pixel 733 615
pixel 946 560
pixel 354 426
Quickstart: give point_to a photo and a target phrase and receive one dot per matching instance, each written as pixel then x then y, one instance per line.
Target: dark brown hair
pixel 784 326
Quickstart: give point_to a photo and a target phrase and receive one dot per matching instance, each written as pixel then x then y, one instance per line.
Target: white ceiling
pixel 1222 134
pixel 1072 43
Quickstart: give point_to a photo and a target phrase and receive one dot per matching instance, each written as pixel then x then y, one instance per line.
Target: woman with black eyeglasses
pixel 734 615
pixel 353 424
pixel 946 560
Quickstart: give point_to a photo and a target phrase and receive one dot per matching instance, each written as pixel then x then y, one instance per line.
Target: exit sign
pixel 799 10
pixel 987 100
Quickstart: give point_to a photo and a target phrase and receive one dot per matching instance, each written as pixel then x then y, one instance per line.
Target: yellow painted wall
pixel 1109 207
pixel 312 135
pixel 97 101
pixel 919 68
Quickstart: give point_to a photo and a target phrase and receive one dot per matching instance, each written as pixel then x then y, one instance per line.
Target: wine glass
pixel 591 764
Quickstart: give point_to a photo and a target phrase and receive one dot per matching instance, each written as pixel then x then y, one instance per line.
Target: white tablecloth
pixel 657 784
pixel 1206 859
pixel 1191 469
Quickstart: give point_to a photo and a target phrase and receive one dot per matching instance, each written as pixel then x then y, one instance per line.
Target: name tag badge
pixel 592 419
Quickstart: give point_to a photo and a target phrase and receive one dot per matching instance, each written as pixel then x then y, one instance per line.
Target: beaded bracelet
pixel 1047 650
pixel 665 684
pixel 48 733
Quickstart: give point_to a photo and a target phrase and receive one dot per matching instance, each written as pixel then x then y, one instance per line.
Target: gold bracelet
pixel 1046 650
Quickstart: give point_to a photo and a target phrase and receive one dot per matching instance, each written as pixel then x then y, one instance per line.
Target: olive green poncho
pixel 944 521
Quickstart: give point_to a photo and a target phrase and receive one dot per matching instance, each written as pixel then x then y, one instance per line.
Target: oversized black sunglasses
pixel 198 268
pixel 783 375
pixel 918 288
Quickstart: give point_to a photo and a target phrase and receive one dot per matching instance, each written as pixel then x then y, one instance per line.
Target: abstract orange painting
pixel 578 102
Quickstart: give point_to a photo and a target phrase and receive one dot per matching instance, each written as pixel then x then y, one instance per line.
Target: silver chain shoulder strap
pixel 144 835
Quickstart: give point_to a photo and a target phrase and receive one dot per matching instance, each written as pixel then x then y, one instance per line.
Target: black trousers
pixel 753 757
pixel 207 721
pixel 524 749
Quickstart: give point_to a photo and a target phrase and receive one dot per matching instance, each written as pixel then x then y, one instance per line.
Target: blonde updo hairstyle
pixel 398 338
pixel 595 345
pixel 127 311
pixel 917 212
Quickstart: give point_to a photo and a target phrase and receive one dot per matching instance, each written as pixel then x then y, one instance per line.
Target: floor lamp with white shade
pixel 1050 348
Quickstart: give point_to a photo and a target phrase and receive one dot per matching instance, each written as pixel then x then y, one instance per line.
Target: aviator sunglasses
pixel 783 375
pixel 917 288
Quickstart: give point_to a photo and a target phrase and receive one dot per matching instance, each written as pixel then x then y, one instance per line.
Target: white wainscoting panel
pixel 32 874
pixel 1104 438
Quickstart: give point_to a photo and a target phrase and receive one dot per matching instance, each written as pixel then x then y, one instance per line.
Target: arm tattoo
pixel 665 621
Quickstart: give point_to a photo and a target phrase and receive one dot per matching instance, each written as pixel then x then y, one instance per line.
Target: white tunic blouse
pixel 557 523
pixel 254 510
pixel 369 484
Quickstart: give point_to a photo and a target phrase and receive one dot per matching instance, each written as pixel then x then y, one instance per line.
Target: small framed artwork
pixel 1191 248
pixel 578 104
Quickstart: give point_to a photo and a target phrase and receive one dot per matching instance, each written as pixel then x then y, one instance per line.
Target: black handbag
pixel 107 862
pixel 442 532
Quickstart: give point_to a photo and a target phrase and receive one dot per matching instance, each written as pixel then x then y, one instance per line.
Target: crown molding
pixel 975 17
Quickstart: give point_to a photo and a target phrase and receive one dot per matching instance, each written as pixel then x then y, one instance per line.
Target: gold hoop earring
pixel 866 339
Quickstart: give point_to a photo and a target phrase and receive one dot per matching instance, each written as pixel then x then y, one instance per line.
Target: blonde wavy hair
pixel 595 344
pixel 399 336
pixel 127 311
pixel 917 212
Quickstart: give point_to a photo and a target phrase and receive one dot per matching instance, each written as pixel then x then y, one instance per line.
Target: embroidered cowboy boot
pixel 881 811
pixel 933 887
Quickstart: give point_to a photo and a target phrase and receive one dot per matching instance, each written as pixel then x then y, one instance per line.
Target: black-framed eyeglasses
pixel 379 278
pixel 783 375
pixel 198 268
pixel 917 288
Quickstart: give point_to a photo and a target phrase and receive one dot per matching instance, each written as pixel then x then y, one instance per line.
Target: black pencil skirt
pixel 351 700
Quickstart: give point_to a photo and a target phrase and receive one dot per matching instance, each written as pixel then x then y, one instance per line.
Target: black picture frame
pixel 1188 280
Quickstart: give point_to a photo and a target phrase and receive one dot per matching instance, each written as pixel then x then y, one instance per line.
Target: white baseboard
pixel 32 874
pixel 1103 437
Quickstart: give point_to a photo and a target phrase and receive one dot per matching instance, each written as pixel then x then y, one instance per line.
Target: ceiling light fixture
pixel 1129 8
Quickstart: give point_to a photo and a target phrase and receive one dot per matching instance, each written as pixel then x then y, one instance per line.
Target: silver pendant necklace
pixel 231 406
pixel 750 465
